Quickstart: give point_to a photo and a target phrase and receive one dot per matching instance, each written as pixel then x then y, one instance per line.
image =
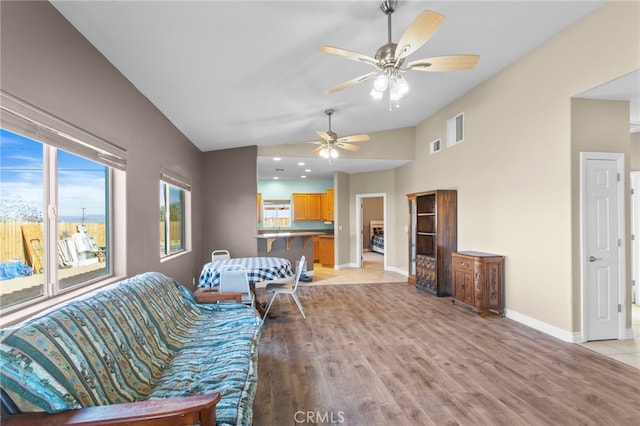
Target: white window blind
pixel 25 119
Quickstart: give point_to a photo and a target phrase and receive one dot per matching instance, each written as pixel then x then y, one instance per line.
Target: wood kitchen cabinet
pixel 326 251
pixel 259 202
pixel 477 280
pixel 307 206
pixel 329 205
pixel 316 250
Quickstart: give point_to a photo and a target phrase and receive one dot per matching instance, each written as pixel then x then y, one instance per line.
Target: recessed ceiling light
pixel 276 177
pixel 301 163
pixel 303 177
pixel 307 170
pixel 277 158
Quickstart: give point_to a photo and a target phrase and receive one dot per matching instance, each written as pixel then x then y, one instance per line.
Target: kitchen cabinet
pixel 316 250
pixel 326 251
pixel 307 206
pixel 329 205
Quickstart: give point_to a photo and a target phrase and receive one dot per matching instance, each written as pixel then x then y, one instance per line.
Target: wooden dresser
pixel 477 281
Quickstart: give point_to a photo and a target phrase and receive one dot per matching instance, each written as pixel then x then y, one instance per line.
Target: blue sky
pixel 81 182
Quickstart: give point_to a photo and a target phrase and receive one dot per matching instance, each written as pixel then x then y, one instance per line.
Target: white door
pixel 601 249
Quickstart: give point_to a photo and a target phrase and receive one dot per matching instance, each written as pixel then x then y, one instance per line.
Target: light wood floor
pixel 383 354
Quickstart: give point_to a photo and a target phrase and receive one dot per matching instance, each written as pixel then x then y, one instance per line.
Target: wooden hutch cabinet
pixel 433 238
pixel 477 281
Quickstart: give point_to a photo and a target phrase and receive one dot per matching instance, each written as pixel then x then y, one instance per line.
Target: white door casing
pixel 602 220
pixel 635 236
pixel 359 225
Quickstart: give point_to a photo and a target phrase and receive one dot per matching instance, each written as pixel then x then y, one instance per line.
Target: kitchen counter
pixel 272 237
pixel 290 245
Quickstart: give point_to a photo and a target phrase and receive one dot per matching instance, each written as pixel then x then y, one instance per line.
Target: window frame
pixel 55 134
pixel 173 180
pixel 266 216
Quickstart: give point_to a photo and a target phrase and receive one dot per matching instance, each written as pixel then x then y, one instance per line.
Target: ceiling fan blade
pixel 323 135
pixel 354 56
pixel 353 138
pixel 318 149
pixel 445 63
pixel 351 82
pixel 418 33
pixel 348 146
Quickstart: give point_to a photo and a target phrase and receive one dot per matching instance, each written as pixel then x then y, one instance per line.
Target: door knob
pixel 593 259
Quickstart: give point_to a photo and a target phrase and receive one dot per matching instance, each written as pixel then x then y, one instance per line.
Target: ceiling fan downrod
pixel 329 112
pixel 388 7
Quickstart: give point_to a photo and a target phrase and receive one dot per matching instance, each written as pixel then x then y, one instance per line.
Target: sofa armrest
pixel 208 296
pixel 186 410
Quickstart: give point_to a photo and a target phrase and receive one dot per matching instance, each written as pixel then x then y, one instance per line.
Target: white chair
pixel 287 289
pixel 220 255
pixel 234 278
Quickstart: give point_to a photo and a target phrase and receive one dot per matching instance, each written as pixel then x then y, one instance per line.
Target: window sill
pixel 174 255
pixel 42 307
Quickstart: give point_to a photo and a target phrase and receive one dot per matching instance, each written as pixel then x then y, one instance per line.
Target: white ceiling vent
pixel 455 129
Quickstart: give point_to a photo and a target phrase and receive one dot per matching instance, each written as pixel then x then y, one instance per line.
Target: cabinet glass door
pixel 412 236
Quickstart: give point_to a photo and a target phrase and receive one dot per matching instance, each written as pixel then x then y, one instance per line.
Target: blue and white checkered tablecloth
pixel 258 269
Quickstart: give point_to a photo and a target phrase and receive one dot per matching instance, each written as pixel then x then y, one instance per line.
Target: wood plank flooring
pixel 384 354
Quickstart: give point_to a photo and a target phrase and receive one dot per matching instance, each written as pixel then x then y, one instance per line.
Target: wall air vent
pixel 434 146
pixel 455 129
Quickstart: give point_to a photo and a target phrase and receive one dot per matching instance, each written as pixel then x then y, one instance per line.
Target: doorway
pixel 602 237
pixel 371 227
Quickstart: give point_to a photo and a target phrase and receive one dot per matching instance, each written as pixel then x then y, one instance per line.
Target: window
pixel 455 129
pixel 174 208
pixel 57 192
pixel 276 213
pixel 66 243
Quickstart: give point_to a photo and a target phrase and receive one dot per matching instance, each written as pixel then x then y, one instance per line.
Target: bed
pixel 376 231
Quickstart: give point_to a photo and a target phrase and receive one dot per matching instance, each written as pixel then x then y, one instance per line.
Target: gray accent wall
pixel 230 202
pixel 48 64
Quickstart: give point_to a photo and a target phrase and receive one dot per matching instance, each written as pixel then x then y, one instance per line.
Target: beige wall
pixel 47 63
pixel 514 171
pixel 341 226
pixel 382 182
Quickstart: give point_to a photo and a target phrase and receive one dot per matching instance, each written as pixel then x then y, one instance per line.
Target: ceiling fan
pixel 390 58
pixel 330 141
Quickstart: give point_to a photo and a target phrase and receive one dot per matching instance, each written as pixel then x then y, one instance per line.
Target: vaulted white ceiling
pixel 238 73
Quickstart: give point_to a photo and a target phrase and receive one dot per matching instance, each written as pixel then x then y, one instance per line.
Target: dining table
pixel 261 268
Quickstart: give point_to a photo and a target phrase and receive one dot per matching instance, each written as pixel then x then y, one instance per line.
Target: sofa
pixel 138 350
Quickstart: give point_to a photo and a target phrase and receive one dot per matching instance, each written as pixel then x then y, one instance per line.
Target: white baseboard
pixel 397 270
pixel 628 334
pixel 552 330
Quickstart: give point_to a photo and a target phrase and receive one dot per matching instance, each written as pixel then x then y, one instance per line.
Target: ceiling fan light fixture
pixel 381 82
pixel 376 94
pixel 324 153
pixel 399 88
pixel 333 153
